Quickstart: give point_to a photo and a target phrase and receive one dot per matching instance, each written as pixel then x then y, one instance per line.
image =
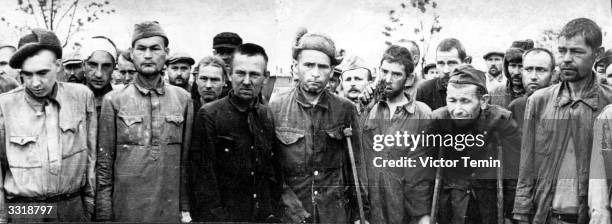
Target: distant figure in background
pixel 334 81
pixel 73 67
pixel 429 72
pixel 209 81
pixel 224 45
pixel 178 70
pixel 6 52
pixel 512 67
pixel 126 67
pixel 494 61
pixel 415 52
pixel 600 67
pixel 355 78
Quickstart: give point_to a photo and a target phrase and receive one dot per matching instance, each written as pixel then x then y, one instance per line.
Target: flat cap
pixel 148 29
pixel 227 40
pixel 466 74
pixel 73 57
pixel 491 53
pixel 314 41
pixel 32 42
pixel 180 56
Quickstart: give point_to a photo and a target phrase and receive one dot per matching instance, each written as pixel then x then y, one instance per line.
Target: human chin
pixel 312 87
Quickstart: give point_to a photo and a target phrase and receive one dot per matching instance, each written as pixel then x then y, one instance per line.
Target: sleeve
pixel 185 150
pixel 598 197
pixel 106 159
pixel 510 142
pixel 92 128
pixel 523 201
pixel 208 197
pixel 3 167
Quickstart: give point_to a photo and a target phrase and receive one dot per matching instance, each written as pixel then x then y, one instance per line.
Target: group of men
pixel 168 139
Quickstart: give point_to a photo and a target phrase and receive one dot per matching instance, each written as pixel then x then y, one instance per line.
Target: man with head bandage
pixel 99 60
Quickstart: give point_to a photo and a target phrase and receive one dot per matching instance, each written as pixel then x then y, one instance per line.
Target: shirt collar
pixel 158 88
pixel 35 101
pixel 241 106
pixel 590 97
pixel 409 106
pixel 301 99
pixel 100 92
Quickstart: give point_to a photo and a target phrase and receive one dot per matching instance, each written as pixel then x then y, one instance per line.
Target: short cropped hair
pixel 542 50
pixel 480 91
pixel 399 54
pixel 214 61
pixel 585 27
pixel 251 49
pixel 449 43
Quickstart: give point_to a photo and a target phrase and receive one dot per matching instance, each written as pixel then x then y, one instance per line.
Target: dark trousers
pixel 70 209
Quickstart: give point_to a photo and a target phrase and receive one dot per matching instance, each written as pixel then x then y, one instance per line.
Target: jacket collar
pixel 301 99
pixel 240 105
pixel 590 97
pixel 101 92
pixel 33 100
pixel 158 88
pixel 409 106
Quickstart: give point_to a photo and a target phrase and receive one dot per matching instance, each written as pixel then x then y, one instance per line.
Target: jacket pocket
pixel 73 138
pixel 130 129
pixel 21 152
pixel 174 129
pixel 288 136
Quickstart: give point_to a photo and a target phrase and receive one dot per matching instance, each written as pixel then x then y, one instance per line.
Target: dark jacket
pixel 143 137
pixel 233 176
pixel 550 120
pixel 432 93
pixel 314 156
pixel 517 107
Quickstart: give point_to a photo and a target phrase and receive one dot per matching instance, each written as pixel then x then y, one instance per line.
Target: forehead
pixel 313 56
pixel 452 55
pixel 462 91
pixel 210 71
pixel 42 60
pixel 150 41
pixel 360 72
pixel 245 62
pixel 101 57
pixel 539 59
pixel 394 66
pixel 575 41
pixel 180 64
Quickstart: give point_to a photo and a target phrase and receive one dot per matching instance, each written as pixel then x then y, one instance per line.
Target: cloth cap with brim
pixel 180 57
pixel 492 53
pixel 352 63
pixel 315 41
pixel 148 29
pixel 466 74
pixel 514 55
pixel 226 40
pixel 33 42
pixel 428 67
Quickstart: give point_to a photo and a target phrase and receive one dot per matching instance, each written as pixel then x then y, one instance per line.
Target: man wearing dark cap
pixel 313 152
pixel 179 70
pixel 48 134
pixel 558 133
pixel 405 191
pixel 100 57
pixel 429 72
pixel 449 54
pixel 512 67
pixel 467 113
pixel 224 45
pixel 494 61
pixel 144 135
pixel 8 76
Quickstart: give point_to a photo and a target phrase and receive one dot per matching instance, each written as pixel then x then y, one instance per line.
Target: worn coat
pixel 550 120
pixel 314 156
pixel 143 139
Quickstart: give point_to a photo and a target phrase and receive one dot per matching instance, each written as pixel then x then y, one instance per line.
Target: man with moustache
pixel 538 68
pixel 99 63
pixel 513 64
pixel 449 54
pixel 309 124
pixel 179 70
pixel 209 81
pixel 48 138
pixel 126 67
pixel 406 191
pixel 73 67
pixel 144 135
pixel 234 171
pixel 557 133
pixel 494 61
pixel 468 194
pixel 8 75
pixel 355 78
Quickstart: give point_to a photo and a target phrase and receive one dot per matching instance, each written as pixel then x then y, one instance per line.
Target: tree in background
pixel 64 17
pixel 415 20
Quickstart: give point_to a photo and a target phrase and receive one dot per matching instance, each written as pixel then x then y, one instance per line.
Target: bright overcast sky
pixel 355 25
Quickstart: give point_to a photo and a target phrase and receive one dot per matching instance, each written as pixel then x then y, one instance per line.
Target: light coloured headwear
pixel 98 43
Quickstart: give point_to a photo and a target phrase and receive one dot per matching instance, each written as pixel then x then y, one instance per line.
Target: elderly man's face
pixel 149 55
pixel 39 72
pixel 537 71
pixel 463 102
pixel 98 69
pixel 210 82
pixel 178 73
pixel 314 70
pixel 248 75
pixel 5 57
pixel 494 63
pixel 575 58
pixel 354 82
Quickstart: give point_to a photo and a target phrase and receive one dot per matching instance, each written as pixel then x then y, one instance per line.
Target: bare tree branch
pixel 67 11
pixel 69 34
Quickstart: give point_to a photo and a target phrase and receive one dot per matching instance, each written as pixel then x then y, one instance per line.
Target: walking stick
pixel 348 132
pixel 436 195
pixel 500 181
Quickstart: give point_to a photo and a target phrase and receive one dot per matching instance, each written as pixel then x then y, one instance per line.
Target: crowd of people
pixel 142 135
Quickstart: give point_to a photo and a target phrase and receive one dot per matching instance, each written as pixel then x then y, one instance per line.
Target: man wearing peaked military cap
pixel 48 134
pixel 468 112
pixel 147 126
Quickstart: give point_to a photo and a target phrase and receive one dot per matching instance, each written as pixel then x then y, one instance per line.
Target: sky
pixel 354 25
